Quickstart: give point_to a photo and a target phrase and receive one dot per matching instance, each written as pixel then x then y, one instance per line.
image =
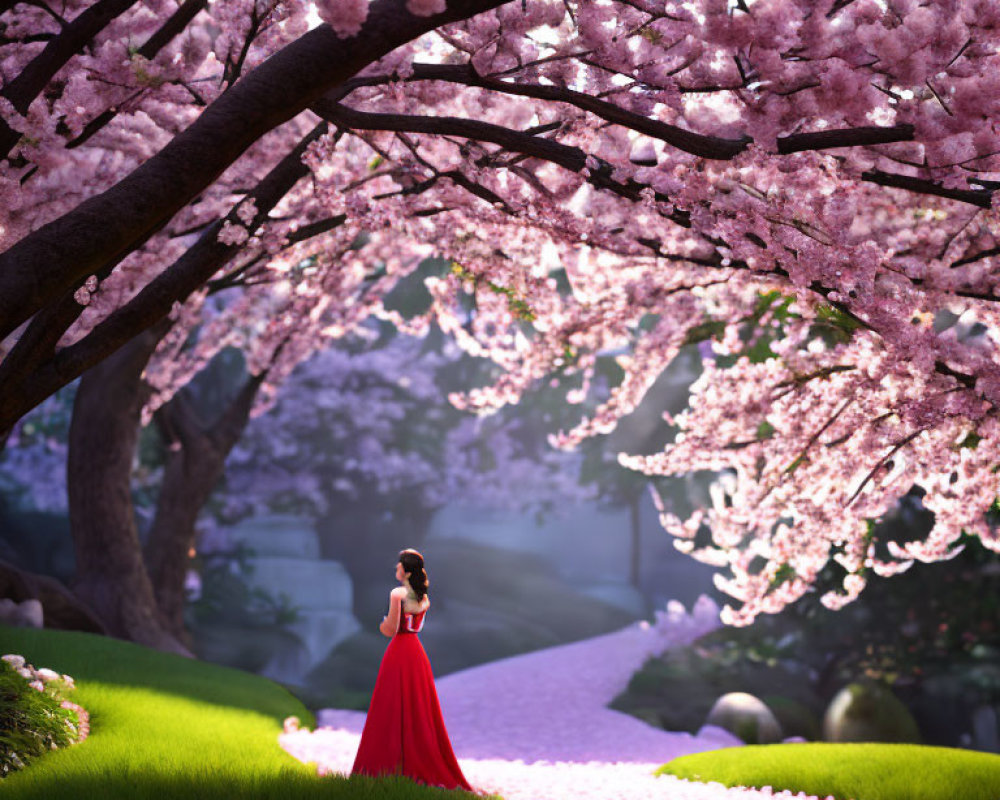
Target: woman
pixel 404 732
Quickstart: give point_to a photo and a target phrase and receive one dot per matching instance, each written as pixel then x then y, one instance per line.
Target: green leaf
pixel 705 330
pixel 799 461
pixel 782 313
pixel 760 351
pixel 834 316
pixel 785 572
pixel 971 440
pixel 764 301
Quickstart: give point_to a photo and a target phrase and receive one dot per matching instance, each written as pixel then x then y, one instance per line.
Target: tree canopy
pixel 806 190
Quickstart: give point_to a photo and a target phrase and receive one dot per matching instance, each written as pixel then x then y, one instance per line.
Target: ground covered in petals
pixel 536 726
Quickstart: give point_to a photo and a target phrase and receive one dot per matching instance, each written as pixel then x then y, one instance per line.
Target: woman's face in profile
pixel 400 574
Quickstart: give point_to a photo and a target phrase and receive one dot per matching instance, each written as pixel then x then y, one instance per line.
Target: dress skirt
pixel 404 732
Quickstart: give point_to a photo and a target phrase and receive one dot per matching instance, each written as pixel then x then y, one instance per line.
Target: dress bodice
pixel 409 622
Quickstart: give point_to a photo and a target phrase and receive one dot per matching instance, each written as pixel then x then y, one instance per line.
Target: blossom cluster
pixel 615 180
pixel 36 716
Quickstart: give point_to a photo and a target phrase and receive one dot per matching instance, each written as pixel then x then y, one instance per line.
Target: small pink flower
pixel 345 16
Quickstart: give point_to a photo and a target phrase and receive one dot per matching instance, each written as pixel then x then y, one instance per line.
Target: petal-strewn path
pixel 536 726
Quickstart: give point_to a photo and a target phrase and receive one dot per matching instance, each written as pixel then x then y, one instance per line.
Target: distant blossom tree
pixel 361 421
pixel 358 425
pixel 360 441
pixel 807 188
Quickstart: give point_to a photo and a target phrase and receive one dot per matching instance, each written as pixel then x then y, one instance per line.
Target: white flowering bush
pixel 35 715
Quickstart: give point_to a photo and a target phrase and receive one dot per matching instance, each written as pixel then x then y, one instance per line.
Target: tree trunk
pixel 636 560
pixel 195 462
pixel 111 577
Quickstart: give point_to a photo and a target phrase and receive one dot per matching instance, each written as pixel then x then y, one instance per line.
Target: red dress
pixel 404 732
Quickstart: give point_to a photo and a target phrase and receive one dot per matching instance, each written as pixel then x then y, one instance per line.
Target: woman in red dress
pixel 404 732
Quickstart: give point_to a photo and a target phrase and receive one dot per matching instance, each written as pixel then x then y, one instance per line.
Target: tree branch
pixel 572 158
pixel 176 23
pixel 976 197
pixel 566 156
pixel 895 448
pixel 25 389
pixel 39 71
pixel 107 227
pixel 989 253
pixel 713 147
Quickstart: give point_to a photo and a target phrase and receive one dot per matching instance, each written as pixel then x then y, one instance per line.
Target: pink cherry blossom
pixel 806 193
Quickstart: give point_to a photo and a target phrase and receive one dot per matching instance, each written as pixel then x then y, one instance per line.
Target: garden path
pixel 536 726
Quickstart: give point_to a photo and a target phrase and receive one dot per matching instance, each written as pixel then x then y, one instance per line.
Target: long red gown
pixel 404 732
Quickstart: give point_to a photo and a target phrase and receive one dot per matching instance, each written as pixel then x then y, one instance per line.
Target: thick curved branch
pixel 28 387
pixel 698 144
pixel 572 158
pixel 712 147
pixel 232 422
pixel 976 197
pixel 109 226
pixel 175 23
pixel 566 156
pixel 970 259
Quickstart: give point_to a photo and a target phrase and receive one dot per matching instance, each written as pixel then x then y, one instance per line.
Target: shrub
pixel 35 715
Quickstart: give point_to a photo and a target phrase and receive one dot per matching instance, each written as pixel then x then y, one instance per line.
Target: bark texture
pixel 195 462
pixel 111 576
pixel 107 227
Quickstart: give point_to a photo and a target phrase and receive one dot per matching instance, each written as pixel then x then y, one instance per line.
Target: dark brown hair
pixel 413 563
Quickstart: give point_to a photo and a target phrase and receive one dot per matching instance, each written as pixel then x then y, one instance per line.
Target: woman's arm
pixel 390 622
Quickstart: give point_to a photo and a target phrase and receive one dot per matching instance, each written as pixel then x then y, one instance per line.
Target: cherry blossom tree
pixel 365 419
pixel 359 423
pixel 360 440
pixel 807 189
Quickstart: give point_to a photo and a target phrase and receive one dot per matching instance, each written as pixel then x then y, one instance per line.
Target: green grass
pixel 862 771
pixel 167 727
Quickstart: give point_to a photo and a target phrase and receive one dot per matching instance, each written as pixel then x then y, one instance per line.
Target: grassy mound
pixel 862 771
pixel 167 727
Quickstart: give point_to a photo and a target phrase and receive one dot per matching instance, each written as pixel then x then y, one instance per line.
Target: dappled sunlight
pixel 147 676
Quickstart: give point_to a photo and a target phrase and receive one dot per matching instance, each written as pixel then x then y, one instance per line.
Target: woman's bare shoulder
pixel 399 591
pixel 422 606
